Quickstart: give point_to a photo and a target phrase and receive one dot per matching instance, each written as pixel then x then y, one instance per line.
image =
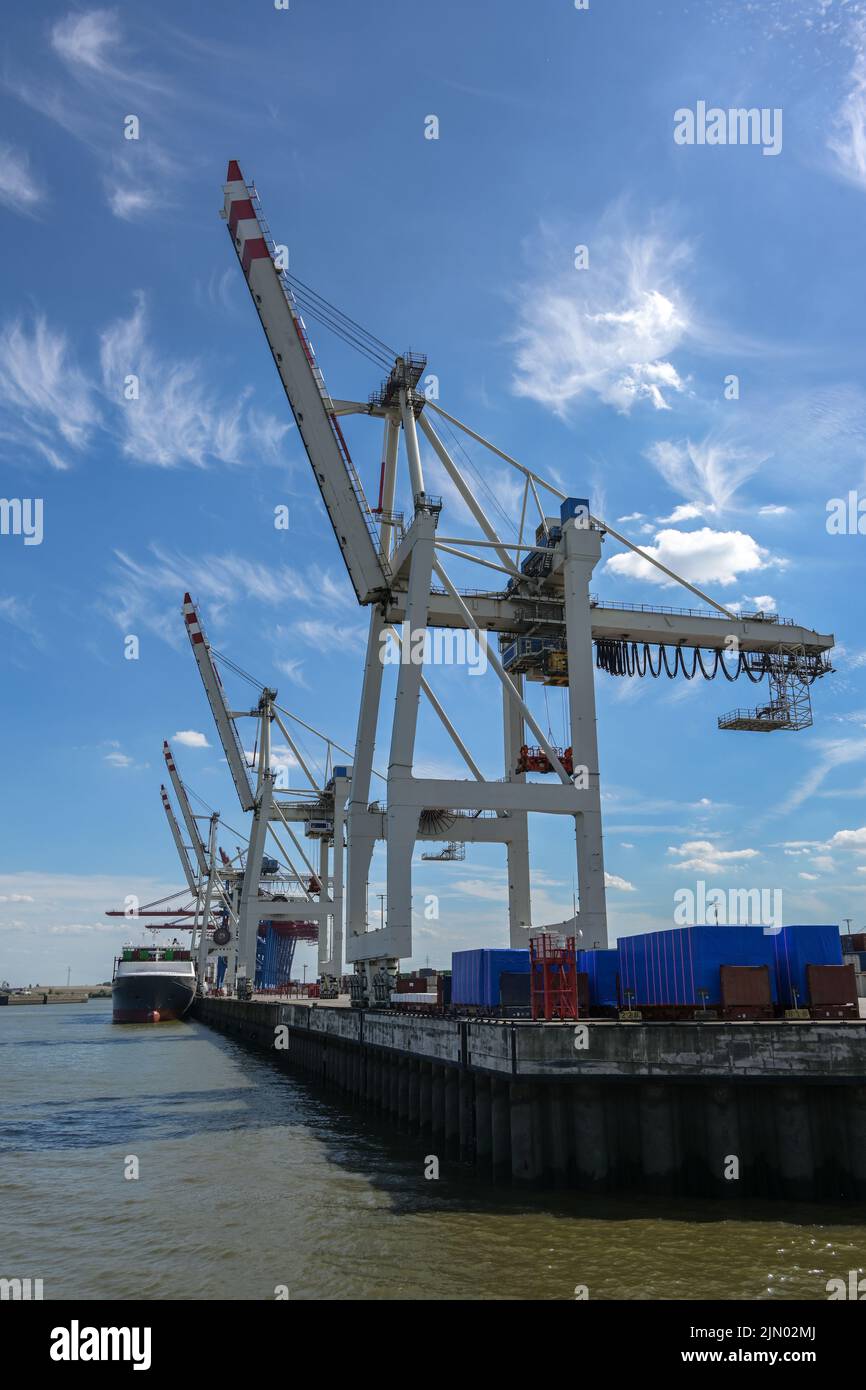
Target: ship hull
pixel 142 998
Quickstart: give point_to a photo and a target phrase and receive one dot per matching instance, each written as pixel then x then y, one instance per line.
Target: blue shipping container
pixel 475 974
pixel 602 968
pixel 794 949
pixel 671 967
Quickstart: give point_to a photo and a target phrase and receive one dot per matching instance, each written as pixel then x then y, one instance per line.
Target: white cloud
pixel 827 755
pixel 707 469
pixel 850 839
pixel 148 594
pixel 118 759
pixel 702 856
pixel 847 142
pixel 85 40
pixel 607 331
pixel 14 611
pixel 632 516
pixel 190 739
pixel 19 190
pixel 824 863
pixel 614 881
pixel 812 878
pixel 773 511
pixel 703 557
pixel 129 203
pixel 178 418
pixel 46 401
pixel 686 511
pixel 281 757
pixel 764 603
pixel 293 669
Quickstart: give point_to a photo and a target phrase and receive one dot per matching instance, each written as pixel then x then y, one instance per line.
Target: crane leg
pixel 251 910
pixel 361 840
pixel 582 545
pixel 517 849
pixel 403 817
pixel 324 944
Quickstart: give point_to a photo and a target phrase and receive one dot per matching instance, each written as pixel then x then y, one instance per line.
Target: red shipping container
pixel 746 986
pixel 832 985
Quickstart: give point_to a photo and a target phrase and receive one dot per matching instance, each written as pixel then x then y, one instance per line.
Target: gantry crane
pixel 212 881
pixel 313 895
pixel 551 627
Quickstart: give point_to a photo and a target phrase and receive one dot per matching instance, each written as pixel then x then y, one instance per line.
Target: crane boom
pixel 178 843
pixel 226 727
pixel 304 384
pixel 186 811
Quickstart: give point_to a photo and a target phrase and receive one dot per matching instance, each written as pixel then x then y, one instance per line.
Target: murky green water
pixel 250 1180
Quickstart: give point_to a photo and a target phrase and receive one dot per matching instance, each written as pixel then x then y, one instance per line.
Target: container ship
pixel 152 984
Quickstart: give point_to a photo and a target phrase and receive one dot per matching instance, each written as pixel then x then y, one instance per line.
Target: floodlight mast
pixel 547 600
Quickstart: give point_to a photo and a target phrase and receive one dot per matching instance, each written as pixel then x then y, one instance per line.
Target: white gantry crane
pixel 213 886
pixel 313 893
pixel 548 625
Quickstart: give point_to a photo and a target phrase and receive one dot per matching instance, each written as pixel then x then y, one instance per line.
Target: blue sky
pixel 555 130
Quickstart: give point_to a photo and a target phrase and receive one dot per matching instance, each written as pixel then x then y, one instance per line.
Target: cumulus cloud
pixel 702 557
pixel 703 857
pixel 850 839
pixel 686 511
pixel 614 881
pixel 190 739
pixel 607 332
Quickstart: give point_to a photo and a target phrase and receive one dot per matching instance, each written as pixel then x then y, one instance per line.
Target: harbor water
pixel 254 1185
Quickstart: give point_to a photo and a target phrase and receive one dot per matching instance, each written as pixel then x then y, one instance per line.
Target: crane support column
pixel 413 453
pixel 324 952
pixel 517 848
pixel 582 551
pixel 204 919
pixel 341 793
pixel 403 811
pixel 251 912
pixel 361 839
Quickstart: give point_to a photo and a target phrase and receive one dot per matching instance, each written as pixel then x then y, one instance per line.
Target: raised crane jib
pixel 226 727
pixel 195 840
pixel 305 388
